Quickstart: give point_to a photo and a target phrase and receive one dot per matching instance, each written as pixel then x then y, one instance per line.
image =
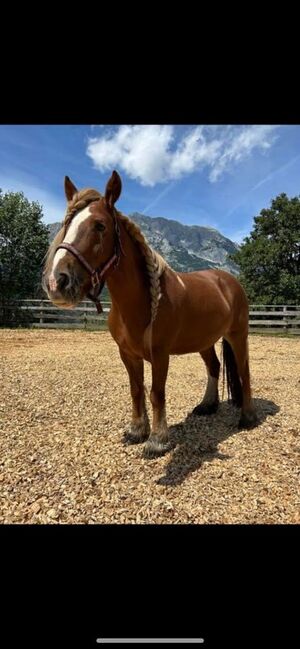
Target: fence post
pixel 41 314
pixel 286 326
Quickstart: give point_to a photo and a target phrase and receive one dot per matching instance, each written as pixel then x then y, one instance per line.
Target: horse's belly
pixel 200 333
pixel 195 345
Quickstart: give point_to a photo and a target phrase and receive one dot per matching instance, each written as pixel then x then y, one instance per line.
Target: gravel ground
pixel 64 405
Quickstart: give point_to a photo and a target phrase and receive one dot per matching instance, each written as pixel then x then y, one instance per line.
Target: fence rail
pixel 274 317
pixel 43 314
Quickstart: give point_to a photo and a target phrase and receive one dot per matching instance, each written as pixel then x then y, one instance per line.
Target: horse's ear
pixel 70 189
pixel 113 189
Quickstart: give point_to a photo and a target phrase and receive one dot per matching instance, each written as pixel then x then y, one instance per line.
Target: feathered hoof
pixel 248 420
pixel 136 435
pixel 203 409
pixel 128 439
pixel 154 448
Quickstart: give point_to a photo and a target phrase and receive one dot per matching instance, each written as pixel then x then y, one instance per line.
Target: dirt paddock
pixel 64 405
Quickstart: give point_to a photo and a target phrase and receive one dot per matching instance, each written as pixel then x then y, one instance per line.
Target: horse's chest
pixel 130 341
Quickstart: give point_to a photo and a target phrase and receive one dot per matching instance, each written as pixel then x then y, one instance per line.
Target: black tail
pixel 234 386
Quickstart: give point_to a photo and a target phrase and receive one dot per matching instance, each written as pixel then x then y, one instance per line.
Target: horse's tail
pixel 234 386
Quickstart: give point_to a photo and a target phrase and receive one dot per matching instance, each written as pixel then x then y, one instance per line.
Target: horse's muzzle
pixel 62 289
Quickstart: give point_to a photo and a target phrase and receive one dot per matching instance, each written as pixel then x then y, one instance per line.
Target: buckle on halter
pixel 95 279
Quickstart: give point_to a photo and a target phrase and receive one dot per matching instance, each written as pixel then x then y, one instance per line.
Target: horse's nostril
pixel 63 281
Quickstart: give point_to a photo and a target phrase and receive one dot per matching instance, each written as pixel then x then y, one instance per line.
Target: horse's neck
pixel 128 283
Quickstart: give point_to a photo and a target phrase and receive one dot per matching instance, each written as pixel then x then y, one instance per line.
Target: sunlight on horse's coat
pixel 180 281
pixel 211 390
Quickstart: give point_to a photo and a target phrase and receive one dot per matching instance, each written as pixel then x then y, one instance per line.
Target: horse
pixel 155 311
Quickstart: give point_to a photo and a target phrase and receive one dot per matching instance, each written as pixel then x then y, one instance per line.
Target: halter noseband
pixel 98 275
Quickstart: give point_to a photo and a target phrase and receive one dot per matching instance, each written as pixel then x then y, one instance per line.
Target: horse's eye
pixel 99 226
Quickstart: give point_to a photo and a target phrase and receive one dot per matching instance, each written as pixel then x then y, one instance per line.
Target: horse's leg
pixel 239 344
pixel 158 441
pixel 210 401
pixel 140 428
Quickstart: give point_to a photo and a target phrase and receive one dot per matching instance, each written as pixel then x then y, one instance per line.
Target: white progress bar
pixel 150 640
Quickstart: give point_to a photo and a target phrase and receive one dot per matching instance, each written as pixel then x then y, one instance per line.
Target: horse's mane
pixel 155 264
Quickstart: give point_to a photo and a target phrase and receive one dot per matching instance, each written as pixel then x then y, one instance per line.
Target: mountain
pixel 184 247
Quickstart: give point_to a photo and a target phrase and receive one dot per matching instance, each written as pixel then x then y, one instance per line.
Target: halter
pixel 100 274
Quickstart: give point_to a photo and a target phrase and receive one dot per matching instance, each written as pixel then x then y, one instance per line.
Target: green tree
pixel 269 259
pixel 23 244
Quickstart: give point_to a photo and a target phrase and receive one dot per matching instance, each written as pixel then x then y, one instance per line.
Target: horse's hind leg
pixel 210 401
pixel 140 427
pixel 239 344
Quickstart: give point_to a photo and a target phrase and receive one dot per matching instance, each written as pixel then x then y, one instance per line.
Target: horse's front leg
pixel 158 441
pixel 140 428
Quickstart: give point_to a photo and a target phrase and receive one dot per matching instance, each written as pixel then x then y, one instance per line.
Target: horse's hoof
pixel 135 437
pixel 208 409
pixel 155 448
pixel 248 420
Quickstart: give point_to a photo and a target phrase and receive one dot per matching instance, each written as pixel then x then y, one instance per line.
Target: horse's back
pixel 212 276
pixel 212 282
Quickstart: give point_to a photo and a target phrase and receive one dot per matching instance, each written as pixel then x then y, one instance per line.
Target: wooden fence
pixel 264 318
pixel 42 313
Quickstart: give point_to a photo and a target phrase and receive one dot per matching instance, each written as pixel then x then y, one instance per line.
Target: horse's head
pixel 90 236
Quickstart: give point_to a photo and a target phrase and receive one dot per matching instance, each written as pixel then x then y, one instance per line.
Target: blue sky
pixel 218 176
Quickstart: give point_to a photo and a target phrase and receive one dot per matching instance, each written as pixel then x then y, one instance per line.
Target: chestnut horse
pixel 155 311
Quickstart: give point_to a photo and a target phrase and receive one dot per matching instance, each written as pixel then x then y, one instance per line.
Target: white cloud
pixel 141 151
pixel 194 150
pixel 153 154
pixel 239 145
